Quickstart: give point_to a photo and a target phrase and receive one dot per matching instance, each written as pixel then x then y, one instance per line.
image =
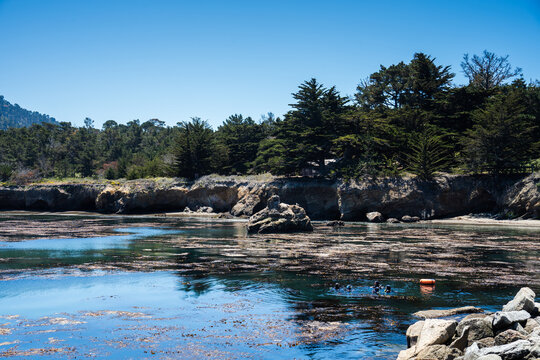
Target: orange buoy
pixel 427 282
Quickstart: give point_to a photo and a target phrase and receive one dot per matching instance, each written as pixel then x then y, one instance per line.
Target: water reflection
pixel 219 291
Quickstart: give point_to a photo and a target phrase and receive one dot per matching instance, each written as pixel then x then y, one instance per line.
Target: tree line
pixel 404 118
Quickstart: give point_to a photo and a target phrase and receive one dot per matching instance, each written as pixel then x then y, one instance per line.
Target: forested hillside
pixel 13 116
pixel 405 118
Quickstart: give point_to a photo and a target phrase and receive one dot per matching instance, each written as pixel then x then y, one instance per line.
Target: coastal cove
pixel 143 286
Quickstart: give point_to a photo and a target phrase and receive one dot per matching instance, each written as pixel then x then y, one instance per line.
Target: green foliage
pixel 304 138
pixel 239 139
pixel 111 174
pixel 5 172
pixel 502 135
pixel 428 154
pixel 195 149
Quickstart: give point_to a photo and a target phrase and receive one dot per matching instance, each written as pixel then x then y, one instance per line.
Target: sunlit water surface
pixel 156 287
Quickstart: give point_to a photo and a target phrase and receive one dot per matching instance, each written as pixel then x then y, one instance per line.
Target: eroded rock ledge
pixel 322 199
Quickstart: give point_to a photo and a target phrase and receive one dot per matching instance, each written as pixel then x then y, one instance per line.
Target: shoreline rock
pixel 432 314
pixel 510 334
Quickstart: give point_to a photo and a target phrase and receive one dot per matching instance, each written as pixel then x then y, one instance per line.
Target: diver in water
pixel 376 287
pixel 387 289
pixel 337 286
pixel 349 287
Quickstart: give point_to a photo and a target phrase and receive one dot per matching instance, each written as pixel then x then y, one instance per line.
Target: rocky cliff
pixel 322 199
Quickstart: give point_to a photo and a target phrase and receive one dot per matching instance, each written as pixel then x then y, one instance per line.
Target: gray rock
pixel 432 314
pixel 410 219
pixel 508 336
pixel 413 332
pixel 505 319
pixel 435 332
pixel 408 354
pixel 516 350
pixel 479 328
pixel 472 352
pixel 486 342
pixel 475 316
pixel 279 218
pixel 462 341
pixel 392 221
pixel 438 352
pixel 524 300
pixel 375 217
pixel 205 209
pixel 535 351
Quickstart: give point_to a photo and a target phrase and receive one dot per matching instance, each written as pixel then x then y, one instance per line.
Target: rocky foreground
pixel 510 334
pixel 391 199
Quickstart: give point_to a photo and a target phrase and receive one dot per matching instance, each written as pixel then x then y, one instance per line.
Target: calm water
pixel 156 287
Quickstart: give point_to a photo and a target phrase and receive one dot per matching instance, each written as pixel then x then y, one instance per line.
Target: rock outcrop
pixel 278 217
pixel 523 198
pixel 507 335
pixel 409 199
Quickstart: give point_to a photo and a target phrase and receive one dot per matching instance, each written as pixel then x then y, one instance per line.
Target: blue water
pixel 196 289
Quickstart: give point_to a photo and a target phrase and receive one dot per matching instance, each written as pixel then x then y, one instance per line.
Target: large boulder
pixel 516 350
pixel 486 342
pixel 438 352
pixel 462 341
pixel 505 319
pixel 413 332
pixel 479 328
pixel 436 331
pixel 508 336
pixel 524 300
pixel 279 218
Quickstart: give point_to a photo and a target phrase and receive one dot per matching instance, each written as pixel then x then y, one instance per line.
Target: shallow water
pixel 158 287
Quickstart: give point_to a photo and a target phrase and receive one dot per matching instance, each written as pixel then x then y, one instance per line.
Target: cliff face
pixel 322 199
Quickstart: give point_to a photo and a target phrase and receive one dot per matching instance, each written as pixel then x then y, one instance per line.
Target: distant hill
pixel 15 116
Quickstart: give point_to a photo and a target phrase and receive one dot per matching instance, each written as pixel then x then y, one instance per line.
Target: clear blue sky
pixel 134 59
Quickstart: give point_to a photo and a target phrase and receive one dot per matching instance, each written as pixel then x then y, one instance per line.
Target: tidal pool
pixel 82 286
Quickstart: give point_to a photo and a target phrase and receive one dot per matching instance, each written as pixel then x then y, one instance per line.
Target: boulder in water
pixel 524 300
pixel 504 319
pixel 410 219
pixel 374 217
pixel 278 217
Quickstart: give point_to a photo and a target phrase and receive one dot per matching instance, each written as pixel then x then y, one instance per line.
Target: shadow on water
pixel 192 288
